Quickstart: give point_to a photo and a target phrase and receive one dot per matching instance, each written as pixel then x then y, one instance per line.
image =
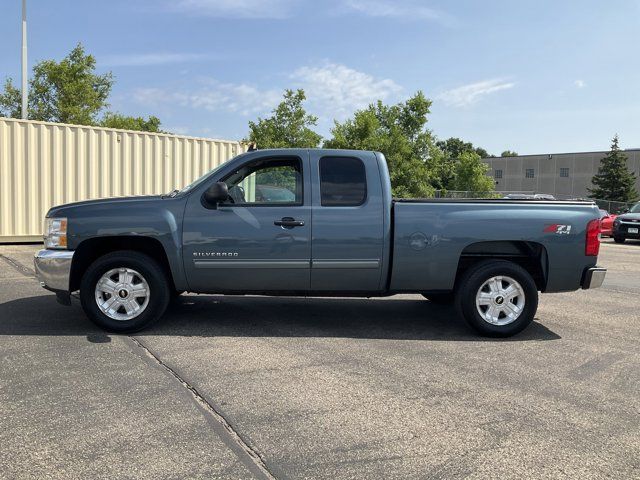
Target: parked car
pixel 627 225
pixel 341 234
pixel 606 223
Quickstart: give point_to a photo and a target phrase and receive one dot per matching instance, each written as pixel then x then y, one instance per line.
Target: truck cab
pixel 323 231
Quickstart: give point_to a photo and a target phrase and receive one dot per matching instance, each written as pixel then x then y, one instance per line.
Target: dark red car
pixel 606 223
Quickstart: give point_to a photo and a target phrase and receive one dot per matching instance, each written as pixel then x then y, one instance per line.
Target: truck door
pixel 348 230
pixel 258 240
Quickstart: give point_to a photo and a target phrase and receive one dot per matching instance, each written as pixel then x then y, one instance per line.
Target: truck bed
pixel 432 235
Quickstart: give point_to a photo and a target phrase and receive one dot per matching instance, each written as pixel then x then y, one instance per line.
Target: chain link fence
pixel 462 194
pixel 608 205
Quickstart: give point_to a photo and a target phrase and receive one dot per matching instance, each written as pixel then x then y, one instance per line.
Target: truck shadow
pixel 212 316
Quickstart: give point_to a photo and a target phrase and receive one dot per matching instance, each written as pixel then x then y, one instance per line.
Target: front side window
pixel 343 182
pixel 273 181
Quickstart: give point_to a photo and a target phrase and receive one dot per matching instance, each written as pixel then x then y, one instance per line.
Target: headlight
pixel 55 232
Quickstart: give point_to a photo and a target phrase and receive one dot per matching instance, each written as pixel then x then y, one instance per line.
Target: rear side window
pixel 342 182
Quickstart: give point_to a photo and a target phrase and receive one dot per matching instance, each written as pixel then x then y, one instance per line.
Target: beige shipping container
pixel 45 164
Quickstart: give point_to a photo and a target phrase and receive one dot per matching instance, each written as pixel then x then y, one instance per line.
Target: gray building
pixel 560 174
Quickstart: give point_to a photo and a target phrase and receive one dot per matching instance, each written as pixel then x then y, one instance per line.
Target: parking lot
pixel 254 387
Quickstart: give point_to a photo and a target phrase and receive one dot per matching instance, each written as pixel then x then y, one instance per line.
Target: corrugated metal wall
pixel 45 164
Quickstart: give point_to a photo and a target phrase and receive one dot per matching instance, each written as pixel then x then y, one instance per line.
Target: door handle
pixel 289 222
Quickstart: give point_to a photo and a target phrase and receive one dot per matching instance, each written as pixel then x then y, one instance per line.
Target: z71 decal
pixel 558 229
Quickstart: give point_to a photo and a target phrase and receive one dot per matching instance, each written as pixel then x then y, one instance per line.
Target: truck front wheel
pixel 497 298
pixel 124 291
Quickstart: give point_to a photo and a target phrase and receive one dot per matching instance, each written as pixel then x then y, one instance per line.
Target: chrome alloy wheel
pixel 500 300
pixel 122 293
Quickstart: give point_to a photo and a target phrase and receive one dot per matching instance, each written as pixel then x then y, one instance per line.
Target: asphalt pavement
pixel 256 387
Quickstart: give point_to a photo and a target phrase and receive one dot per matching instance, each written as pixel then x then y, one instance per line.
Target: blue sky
pixel 531 76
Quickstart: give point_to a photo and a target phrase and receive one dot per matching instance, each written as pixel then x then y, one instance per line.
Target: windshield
pixel 635 208
pixel 199 180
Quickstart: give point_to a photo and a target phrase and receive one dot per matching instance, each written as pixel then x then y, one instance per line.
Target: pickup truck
pixel 316 222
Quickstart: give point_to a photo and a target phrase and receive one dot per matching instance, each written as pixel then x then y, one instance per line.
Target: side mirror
pixel 215 194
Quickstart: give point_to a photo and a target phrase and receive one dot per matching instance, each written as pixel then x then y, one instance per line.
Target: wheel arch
pixel 91 249
pixel 532 256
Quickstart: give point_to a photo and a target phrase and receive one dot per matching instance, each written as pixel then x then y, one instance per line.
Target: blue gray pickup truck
pixel 316 222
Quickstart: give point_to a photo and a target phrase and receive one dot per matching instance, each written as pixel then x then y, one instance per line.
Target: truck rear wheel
pixel 124 291
pixel 497 298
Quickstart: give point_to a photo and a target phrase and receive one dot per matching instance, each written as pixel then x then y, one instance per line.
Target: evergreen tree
pixel 614 181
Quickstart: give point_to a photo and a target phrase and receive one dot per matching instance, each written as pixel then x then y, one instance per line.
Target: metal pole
pixel 24 60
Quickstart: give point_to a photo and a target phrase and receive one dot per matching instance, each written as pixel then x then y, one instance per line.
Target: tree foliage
pixel 454 147
pixel 399 132
pixel 471 174
pixel 10 100
pixel 509 153
pixel 116 120
pixel 455 169
pixel 288 126
pixel 614 181
pixel 70 91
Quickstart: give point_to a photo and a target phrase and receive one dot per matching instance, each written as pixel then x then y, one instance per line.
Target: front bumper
pixel 53 269
pixel 593 277
pixel 621 230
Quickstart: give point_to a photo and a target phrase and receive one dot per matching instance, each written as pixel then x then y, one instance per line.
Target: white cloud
pixel 580 83
pixel 396 9
pixel 147 59
pixel 336 90
pixel 469 94
pixel 235 8
pixel 333 91
pixel 213 96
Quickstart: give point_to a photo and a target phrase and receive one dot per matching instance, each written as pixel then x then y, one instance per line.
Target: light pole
pixel 24 60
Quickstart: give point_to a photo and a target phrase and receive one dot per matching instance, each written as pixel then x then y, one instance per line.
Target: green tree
pixel 116 120
pixel 482 153
pixel 399 132
pixel 471 174
pixel 614 181
pixel 509 153
pixel 454 147
pixel 10 101
pixel 288 127
pixel 68 91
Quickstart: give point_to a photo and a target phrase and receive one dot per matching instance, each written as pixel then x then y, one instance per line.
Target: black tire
pixel 619 239
pixel 441 298
pixel 154 275
pixel 471 283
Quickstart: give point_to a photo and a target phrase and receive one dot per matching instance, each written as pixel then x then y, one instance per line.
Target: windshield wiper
pixel 171 194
